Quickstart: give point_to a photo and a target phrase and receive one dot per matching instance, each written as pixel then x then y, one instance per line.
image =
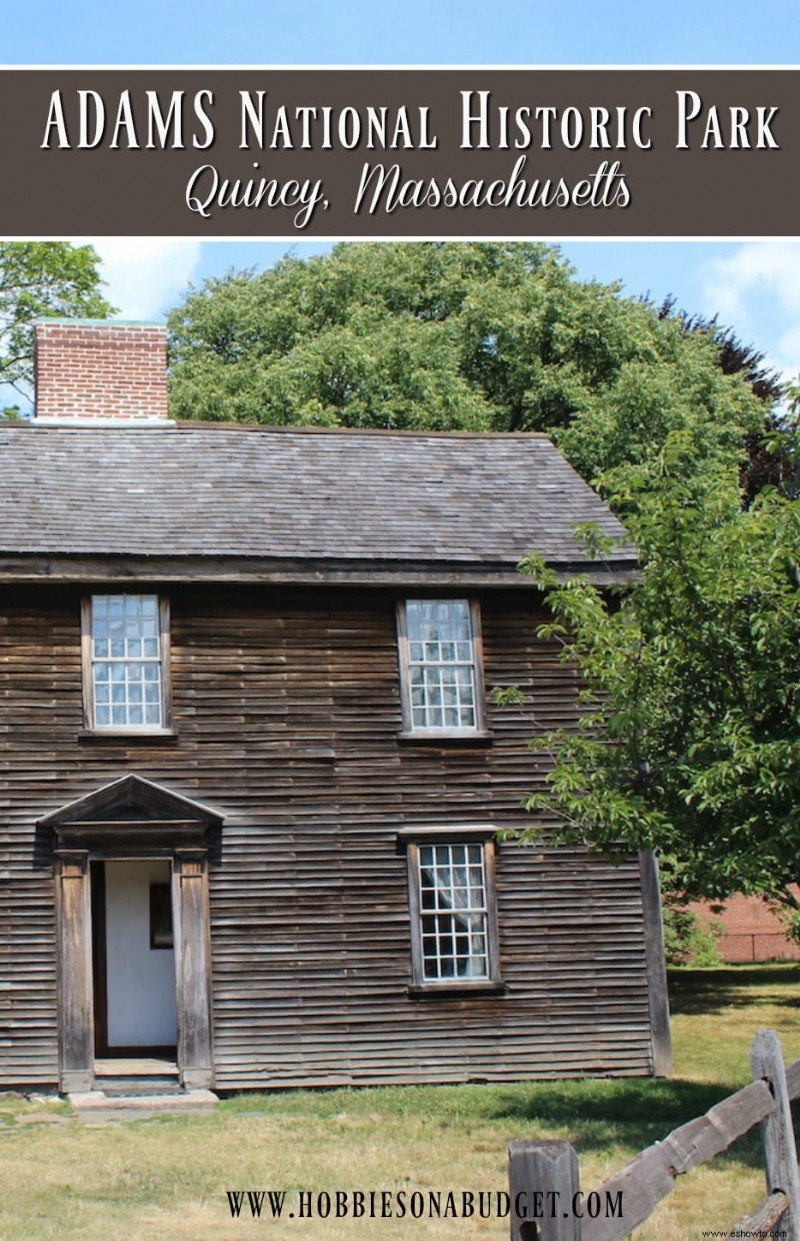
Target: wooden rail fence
pixel 544 1177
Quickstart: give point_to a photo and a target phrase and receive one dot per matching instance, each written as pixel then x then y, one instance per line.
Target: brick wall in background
pixel 750 931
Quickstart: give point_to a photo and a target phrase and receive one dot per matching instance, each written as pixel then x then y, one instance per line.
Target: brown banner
pixel 462 152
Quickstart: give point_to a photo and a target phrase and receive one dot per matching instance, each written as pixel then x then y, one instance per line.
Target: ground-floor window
pixel 453 910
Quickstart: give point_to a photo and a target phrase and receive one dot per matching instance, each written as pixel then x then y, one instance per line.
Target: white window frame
pixel 410 728
pixel 423 977
pixel 89 660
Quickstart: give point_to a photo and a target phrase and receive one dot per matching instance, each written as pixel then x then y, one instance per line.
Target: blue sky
pixel 753 286
pixel 407 32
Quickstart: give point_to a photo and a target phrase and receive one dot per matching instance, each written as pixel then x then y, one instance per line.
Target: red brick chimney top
pixel 95 371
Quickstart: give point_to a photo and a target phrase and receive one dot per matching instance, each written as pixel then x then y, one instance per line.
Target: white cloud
pixel 145 277
pixel 756 289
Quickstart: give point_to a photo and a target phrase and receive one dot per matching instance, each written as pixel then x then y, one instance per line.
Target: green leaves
pixel 40 279
pixel 692 738
pixel 478 336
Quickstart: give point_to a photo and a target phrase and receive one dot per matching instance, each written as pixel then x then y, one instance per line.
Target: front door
pixel 138 839
pixel 133 958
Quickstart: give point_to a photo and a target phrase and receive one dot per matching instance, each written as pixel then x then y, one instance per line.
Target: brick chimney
pixel 97 372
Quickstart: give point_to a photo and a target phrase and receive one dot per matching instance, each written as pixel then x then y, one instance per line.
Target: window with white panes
pixel 453 912
pixel 452 897
pixel 126 657
pixel 440 668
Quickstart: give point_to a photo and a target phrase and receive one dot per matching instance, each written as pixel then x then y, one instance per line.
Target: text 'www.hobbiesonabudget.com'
pixel 404 1204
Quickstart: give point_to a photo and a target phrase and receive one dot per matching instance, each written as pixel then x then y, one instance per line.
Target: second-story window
pixel 125 662
pixel 440 670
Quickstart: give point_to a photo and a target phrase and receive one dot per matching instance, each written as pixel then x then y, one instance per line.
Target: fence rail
pixel 544 1177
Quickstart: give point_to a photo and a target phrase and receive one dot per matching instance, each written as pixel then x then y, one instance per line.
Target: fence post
pixel 543 1177
pixel 777 1131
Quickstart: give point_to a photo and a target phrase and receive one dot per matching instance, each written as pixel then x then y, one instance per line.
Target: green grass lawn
pixel 166 1178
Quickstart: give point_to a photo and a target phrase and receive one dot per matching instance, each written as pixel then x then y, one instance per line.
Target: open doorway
pixel 133 958
pixel 114 851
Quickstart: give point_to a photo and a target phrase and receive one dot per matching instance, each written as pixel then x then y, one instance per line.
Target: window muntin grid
pixel 441 664
pixel 126 661
pixel 453 912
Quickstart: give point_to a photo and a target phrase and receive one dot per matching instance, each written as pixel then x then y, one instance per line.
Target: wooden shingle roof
pixel 306 504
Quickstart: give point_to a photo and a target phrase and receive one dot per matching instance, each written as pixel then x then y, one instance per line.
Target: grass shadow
pixel 595 1115
pixel 695 992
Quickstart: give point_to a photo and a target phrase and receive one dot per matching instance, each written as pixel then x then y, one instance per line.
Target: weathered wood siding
pixel 287 710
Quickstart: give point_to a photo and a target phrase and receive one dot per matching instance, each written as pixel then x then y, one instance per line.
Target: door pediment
pixel 132 812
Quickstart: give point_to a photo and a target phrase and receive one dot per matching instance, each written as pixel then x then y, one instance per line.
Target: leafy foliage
pixel 483 336
pixel 735 356
pixel 39 279
pixel 690 742
pixel 686 941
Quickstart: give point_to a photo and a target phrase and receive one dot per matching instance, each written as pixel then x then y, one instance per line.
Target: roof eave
pixel 87 567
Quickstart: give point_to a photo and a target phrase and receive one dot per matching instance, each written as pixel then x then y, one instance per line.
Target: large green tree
pixel 40 279
pixel 489 336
